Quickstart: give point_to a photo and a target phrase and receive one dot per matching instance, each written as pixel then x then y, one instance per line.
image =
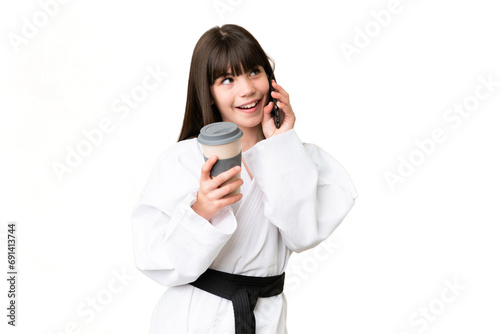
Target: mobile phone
pixel 276 110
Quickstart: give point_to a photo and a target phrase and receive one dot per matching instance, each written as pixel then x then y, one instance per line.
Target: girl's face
pixel 241 99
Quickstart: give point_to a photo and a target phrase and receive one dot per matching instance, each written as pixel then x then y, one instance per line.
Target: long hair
pixel 217 50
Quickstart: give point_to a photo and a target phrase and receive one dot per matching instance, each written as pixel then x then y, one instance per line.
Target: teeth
pixel 248 106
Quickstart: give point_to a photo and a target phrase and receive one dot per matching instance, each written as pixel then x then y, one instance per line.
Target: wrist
pixel 196 207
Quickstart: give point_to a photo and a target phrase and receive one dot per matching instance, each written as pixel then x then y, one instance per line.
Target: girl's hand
pixel 210 199
pixel 287 117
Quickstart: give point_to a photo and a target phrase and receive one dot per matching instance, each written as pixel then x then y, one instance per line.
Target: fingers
pixel 282 97
pixel 278 88
pixel 218 188
pixel 213 192
pixel 280 94
pixel 282 101
pixel 213 183
pixel 207 167
pixel 286 111
pixel 231 200
pixel 226 189
pixel 223 177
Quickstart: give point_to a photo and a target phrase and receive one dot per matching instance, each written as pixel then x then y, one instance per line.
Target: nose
pixel 247 87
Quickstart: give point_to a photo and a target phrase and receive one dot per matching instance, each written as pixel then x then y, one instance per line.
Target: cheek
pixel 218 97
pixel 264 89
pixel 224 102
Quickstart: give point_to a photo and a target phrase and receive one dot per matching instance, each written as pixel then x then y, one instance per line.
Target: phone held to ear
pixel 276 110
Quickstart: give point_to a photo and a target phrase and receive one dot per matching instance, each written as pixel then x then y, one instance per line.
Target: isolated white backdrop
pixel 387 269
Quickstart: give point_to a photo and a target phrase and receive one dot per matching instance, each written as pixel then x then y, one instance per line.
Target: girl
pixel 224 257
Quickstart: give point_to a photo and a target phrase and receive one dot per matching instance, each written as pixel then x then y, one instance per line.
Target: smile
pixel 249 107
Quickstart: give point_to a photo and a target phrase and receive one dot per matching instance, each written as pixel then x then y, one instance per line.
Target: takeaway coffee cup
pixel 222 139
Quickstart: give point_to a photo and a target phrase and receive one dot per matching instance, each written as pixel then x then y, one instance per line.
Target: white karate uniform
pixel 298 196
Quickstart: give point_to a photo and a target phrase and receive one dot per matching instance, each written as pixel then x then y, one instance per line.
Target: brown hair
pixel 218 49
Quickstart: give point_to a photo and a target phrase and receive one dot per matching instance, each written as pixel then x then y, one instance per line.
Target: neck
pixel 251 136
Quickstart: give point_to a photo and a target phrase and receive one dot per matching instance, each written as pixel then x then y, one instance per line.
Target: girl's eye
pixel 226 81
pixel 255 72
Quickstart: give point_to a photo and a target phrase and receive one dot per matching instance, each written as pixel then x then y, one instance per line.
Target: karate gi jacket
pixel 298 196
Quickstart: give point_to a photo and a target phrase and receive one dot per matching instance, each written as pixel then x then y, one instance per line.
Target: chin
pixel 245 122
pixel 249 123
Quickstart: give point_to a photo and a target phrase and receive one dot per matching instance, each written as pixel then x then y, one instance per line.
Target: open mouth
pixel 249 106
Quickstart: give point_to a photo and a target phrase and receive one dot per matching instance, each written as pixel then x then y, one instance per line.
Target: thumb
pixel 267 111
pixel 207 167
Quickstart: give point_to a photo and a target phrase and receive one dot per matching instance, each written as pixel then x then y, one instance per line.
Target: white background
pixel 396 250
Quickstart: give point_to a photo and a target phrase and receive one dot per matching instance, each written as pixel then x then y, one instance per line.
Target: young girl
pixel 224 257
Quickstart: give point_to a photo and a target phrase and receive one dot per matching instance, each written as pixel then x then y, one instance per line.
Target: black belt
pixel 242 291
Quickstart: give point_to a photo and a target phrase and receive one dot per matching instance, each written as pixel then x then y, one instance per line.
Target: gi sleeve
pixel 172 244
pixel 307 193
